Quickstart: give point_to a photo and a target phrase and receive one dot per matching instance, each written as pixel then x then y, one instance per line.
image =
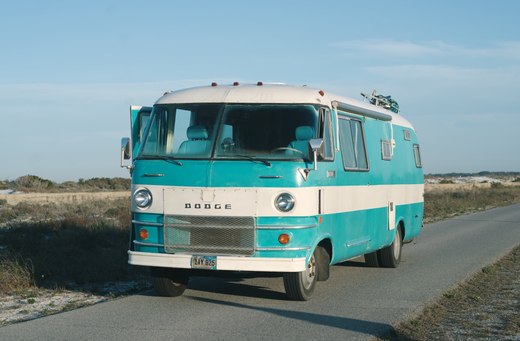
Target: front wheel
pixel 169 282
pixel 299 286
pixel 390 256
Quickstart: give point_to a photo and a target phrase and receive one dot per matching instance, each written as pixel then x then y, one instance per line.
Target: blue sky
pixel 69 70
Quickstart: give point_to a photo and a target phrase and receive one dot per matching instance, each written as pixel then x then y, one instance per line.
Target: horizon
pixel 480 173
pixel 70 73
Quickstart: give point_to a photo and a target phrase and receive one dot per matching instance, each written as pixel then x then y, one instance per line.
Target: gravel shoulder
pixel 484 307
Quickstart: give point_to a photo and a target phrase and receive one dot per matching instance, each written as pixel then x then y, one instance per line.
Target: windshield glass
pixel 230 131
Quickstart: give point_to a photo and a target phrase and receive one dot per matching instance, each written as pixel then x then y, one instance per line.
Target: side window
pixel 386 150
pixel 144 118
pixel 417 155
pixel 352 144
pixel 326 133
pixel 406 134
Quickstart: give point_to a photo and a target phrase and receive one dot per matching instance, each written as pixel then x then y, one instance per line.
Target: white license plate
pixel 204 262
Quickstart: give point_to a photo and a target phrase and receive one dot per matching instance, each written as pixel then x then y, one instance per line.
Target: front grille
pixel 209 235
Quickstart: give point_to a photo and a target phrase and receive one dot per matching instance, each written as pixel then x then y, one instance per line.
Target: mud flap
pixel 323 260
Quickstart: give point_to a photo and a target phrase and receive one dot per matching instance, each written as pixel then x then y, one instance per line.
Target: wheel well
pixel 401 227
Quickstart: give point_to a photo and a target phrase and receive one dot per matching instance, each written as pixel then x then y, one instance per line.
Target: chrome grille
pixel 212 235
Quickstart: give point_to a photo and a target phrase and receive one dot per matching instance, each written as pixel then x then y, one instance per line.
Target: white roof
pixel 268 93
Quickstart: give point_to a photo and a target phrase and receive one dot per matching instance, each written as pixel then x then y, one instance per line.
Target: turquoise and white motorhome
pixel 269 178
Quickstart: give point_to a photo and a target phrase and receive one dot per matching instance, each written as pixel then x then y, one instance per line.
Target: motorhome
pixel 269 178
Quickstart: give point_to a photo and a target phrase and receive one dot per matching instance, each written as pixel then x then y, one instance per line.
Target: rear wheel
pixel 372 259
pixel 169 282
pixel 299 286
pixel 390 256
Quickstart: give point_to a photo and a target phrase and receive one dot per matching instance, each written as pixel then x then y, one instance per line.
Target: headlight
pixel 284 202
pixel 143 198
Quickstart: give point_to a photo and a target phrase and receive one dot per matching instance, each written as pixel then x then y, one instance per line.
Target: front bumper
pixel 228 263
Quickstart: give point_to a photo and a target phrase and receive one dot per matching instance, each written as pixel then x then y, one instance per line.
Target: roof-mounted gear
pixel 386 102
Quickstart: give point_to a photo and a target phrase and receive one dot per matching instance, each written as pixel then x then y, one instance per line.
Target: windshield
pixel 230 131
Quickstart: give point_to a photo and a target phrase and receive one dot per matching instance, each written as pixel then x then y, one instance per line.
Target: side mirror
pixel 316 145
pixel 126 152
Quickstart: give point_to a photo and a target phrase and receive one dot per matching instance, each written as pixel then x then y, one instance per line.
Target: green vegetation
pixel 64 245
pixel 439 205
pixel 33 183
pixel 71 245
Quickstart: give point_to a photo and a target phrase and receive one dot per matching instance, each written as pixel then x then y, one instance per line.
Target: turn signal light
pixel 284 238
pixel 143 234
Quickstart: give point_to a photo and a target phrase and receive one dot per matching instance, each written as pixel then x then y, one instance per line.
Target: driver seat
pixel 303 135
pixel 197 143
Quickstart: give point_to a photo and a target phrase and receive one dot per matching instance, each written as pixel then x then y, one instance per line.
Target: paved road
pixel 355 304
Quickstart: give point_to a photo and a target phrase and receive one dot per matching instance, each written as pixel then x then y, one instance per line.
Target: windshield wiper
pixel 265 162
pixel 161 157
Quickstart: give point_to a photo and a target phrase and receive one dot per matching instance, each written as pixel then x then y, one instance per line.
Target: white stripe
pixel 260 201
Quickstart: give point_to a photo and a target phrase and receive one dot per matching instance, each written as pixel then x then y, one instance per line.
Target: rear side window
pixel 352 144
pixel 417 155
pixel 386 150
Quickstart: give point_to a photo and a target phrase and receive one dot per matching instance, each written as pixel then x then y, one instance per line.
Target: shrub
pixel 63 244
pixel 32 183
pixel 446 181
pixel 16 273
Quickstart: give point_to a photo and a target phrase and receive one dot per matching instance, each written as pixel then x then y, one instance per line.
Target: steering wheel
pixel 279 149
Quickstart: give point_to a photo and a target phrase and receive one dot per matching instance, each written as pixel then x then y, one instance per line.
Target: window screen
pixel 352 144
pixel 417 155
pixel 386 150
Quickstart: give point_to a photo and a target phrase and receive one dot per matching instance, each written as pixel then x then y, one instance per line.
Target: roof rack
pixel 386 102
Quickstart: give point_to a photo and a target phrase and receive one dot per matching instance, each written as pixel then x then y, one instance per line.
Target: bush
pixel 446 181
pixel 112 184
pixel 32 183
pixel 67 244
pixel 16 273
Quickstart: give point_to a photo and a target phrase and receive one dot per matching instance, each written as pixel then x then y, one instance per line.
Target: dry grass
pixel 483 308
pixel 64 240
pixel 444 201
pixel 64 245
pixel 16 273
pixel 60 198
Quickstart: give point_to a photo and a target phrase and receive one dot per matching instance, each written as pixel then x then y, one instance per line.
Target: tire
pixel 372 259
pixel 299 286
pixel 169 282
pixel 390 256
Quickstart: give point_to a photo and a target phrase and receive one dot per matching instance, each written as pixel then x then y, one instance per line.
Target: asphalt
pixel 356 303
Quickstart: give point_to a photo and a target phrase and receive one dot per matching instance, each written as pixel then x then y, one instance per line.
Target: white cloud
pixel 384 48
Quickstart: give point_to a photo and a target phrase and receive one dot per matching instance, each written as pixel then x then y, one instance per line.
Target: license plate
pixel 204 262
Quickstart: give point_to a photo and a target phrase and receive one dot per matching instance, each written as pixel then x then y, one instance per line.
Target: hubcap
pixel 397 245
pixel 309 274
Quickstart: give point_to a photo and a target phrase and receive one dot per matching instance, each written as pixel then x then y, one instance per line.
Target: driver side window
pixel 325 132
